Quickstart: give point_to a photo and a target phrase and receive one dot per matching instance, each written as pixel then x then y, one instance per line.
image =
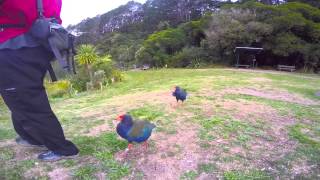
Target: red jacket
pixel 24 11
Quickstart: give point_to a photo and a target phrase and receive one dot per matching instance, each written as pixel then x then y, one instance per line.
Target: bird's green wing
pixel 137 128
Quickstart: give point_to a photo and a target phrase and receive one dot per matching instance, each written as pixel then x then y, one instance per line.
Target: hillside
pixel 149 14
pixel 179 33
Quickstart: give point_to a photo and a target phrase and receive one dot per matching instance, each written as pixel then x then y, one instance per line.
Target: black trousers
pixel 22 73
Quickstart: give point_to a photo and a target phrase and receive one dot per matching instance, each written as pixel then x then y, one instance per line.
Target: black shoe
pixel 25 143
pixel 52 156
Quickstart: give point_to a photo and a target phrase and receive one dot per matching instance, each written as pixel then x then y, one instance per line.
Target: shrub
pixel 79 81
pixel 189 57
pixel 98 81
pixel 59 89
pixel 117 75
pixel 105 64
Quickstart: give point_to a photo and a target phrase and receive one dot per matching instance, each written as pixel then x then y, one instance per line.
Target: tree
pixel 105 64
pixel 295 31
pixel 86 56
pixel 163 44
pixel 142 56
pixel 231 28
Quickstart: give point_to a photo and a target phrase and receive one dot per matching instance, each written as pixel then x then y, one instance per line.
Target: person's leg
pixel 9 97
pixel 44 126
pixel 21 85
pixel 17 121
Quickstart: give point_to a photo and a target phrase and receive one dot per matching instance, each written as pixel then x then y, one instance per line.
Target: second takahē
pixel 180 94
pixel 134 131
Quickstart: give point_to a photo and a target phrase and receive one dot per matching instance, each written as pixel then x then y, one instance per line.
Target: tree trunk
pixel 89 71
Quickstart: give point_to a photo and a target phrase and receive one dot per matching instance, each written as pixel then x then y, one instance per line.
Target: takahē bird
pixel 134 131
pixel 180 94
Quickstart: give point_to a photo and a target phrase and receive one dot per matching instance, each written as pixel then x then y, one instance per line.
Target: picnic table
pixel 286 68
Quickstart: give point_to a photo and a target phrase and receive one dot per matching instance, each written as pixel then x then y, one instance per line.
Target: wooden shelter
pixel 252 51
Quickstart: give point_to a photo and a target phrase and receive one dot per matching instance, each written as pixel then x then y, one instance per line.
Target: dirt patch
pixel 100 176
pixel 170 156
pixel 302 168
pixel 7 143
pixel 36 172
pixel 23 153
pixel 26 153
pixel 60 174
pixel 247 110
pixel 271 144
pixel 279 95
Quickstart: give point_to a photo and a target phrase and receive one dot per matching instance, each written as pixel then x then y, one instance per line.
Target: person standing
pixel 23 65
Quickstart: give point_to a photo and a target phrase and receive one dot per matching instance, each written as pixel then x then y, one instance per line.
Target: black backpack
pixel 49 33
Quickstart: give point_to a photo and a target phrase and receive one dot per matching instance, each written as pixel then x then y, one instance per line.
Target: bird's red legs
pixel 180 104
pixel 130 146
pixel 126 152
pixel 176 105
pixel 146 145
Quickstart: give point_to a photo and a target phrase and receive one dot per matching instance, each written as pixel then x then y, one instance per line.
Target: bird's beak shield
pixel 119 118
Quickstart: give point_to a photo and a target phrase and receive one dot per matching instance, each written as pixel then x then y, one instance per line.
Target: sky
pixel 74 11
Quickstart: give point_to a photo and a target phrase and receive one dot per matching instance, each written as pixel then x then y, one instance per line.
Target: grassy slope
pixel 88 110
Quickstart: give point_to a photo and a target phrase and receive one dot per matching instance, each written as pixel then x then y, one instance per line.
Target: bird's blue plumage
pixel 180 94
pixel 138 131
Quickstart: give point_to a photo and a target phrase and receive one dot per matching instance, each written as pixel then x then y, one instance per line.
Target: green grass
pixel 285 108
pixel 227 127
pixel 207 168
pixel 15 170
pixel 147 112
pixel 296 132
pixel 6 133
pixel 85 173
pixel 103 149
pixel 68 163
pixel 296 84
pixel 303 153
pixel 250 175
pixel 6 154
pixel 190 175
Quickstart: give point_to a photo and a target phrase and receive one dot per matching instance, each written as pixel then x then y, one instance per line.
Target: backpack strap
pixel 52 74
pixel 40 8
pixel 62 61
pixel 40 12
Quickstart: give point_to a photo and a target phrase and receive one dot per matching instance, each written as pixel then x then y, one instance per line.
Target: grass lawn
pixel 236 124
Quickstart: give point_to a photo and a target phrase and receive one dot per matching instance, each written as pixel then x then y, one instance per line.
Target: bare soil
pixel 279 95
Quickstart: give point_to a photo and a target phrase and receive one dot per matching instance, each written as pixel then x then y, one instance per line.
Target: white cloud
pixel 74 11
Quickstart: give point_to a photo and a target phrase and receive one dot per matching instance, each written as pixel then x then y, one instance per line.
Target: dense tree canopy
pixel 180 33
